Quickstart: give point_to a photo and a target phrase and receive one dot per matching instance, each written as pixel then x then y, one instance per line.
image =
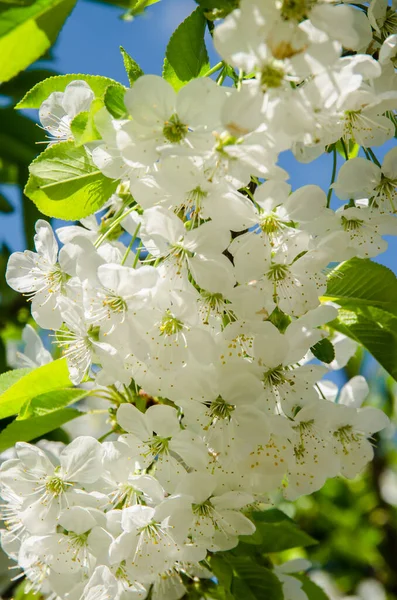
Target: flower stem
pixel 105 435
pixel 222 76
pixel 130 244
pixel 137 255
pixel 113 226
pixel 345 148
pixel 334 161
pixel 214 69
pixel 373 157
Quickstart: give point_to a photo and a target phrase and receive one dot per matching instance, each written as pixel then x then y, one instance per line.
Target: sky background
pixel 89 43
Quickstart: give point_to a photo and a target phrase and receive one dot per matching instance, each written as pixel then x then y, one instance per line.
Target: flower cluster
pixel 197 295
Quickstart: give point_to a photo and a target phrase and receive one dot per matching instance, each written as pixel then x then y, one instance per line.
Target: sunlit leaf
pixel 26 32
pixel 375 329
pixel 40 92
pixel 361 282
pixel 186 56
pixel 18 386
pixel 132 68
pixel 114 101
pixel 64 183
pixel 29 429
pixel 51 401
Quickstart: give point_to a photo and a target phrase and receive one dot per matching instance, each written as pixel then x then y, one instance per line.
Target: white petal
pixel 370 420
pixel 132 420
pixel 232 500
pixel 163 420
pixel 45 242
pixel 354 392
pixel 77 519
pixel 357 178
pixel 151 101
pixel 81 460
pixel 77 98
pixel 389 166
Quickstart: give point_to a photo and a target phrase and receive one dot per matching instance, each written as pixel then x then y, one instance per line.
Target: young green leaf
pixel 114 101
pixel 186 56
pixel 51 401
pixel 137 7
pixel 132 68
pixel 351 148
pixel 27 383
pixel 373 328
pixel 11 377
pixel 212 4
pixel 40 92
pixel 83 125
pixel 65 183
pixel 361 282
pixel 222 571
pixel 83 129
pixel 276 532
pixel 253 581
pixel 272 515
pixel 29 429
pixel 324 351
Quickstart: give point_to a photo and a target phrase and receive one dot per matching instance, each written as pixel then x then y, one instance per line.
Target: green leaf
pixel 29 429
pixel 252 581
pixel 277 537
pixel 18 2
pixel 212 4
pixel 324 350
pixel 10 377
pixel 360 282
pixel 272 515
pixel 83 125
pixel 51 401
pixel 132 68
pixel 21 594
pixel 222 571
pixel 18 386
pixel 82 130
pixel 312 590
pixel 275 532
pixel 366 291
pixel 40 92
pixel 114 101
pixel 351 147
pixel 373 328
pixel 26 32
pixel 138 6
pixel 186 56
pixel 217 9
pixel 65 183
pixel 135 7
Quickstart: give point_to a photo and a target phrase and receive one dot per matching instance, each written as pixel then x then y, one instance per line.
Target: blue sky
pixel 89 43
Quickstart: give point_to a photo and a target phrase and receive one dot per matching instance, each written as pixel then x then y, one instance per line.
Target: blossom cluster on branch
pixel 197 296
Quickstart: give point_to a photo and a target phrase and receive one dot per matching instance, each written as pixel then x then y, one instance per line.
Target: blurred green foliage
pixel 355 521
